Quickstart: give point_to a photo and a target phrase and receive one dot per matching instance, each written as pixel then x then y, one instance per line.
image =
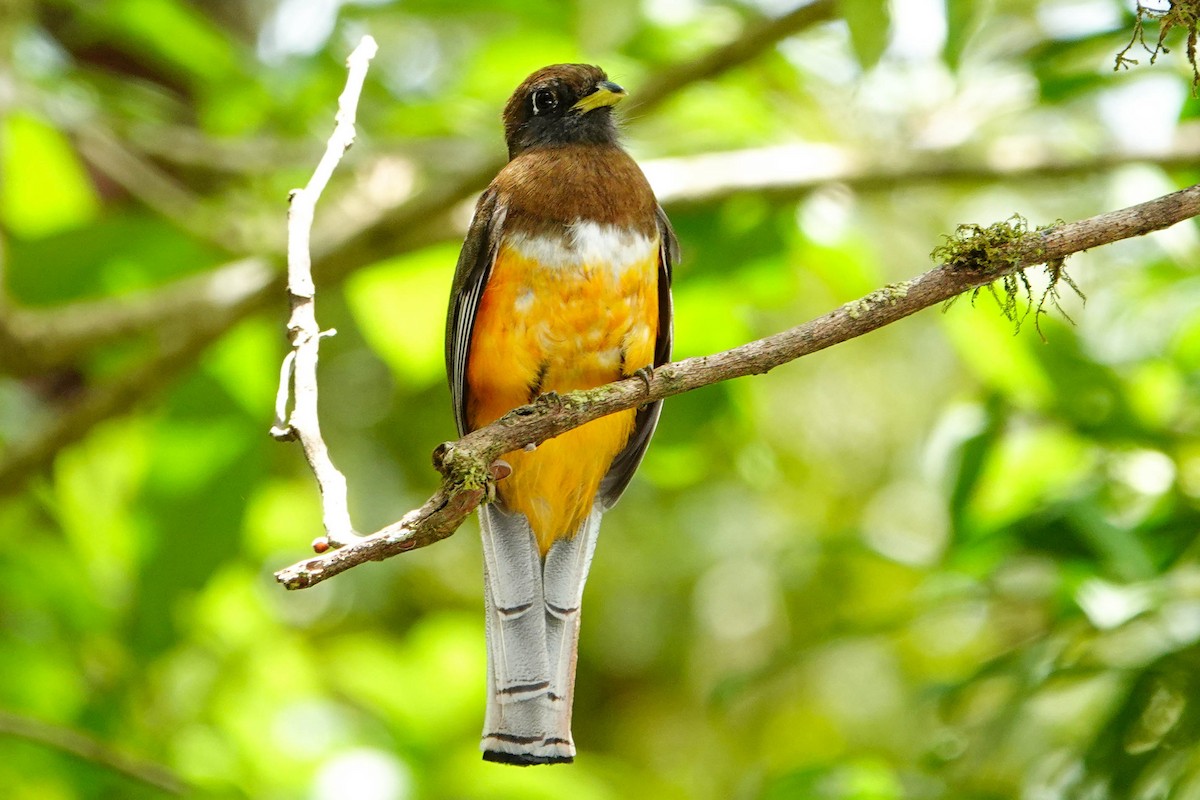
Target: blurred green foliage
pixel 941 561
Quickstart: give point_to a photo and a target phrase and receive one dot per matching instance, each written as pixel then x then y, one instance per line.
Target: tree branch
pixel 105 401
pixel 465 464
pixel 299 373
pixel 754 41
pixel 91 750
pixel 787 172
pixel 150 185
pixel 36 340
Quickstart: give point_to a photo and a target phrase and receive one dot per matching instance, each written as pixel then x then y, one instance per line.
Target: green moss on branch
pixel 1004 250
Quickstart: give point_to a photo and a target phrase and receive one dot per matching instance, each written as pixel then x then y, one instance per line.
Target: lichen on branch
pixel 887 296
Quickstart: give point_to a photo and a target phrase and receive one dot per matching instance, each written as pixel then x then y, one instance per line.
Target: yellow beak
pixel 607 94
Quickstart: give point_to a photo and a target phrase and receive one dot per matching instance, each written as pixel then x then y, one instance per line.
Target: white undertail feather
pixel 532 633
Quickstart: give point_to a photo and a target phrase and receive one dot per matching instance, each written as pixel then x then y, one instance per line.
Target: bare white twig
pixel 298 375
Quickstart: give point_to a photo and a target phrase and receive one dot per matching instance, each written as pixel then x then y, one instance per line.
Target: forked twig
pixel 298 376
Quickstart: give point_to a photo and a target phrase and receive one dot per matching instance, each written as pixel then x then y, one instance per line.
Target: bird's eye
pixel 544 100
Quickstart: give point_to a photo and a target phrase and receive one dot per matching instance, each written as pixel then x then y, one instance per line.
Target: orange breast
pixel 562 314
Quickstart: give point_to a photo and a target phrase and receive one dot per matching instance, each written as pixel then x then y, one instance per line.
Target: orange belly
pixel 582 320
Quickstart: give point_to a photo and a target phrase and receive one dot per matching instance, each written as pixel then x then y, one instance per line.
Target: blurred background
pixel 956 558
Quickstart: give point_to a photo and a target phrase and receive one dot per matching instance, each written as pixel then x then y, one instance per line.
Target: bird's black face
pixel 561 104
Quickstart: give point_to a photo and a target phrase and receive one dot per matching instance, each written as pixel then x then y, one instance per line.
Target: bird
pixel 563 282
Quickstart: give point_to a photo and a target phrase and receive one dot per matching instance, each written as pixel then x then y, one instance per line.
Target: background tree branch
pixel 91 750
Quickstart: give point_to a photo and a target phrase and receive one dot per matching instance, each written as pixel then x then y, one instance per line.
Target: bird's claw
pixel 499 470
pixel 646 373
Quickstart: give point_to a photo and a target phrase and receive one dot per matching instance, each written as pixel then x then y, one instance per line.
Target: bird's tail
pixel 532 633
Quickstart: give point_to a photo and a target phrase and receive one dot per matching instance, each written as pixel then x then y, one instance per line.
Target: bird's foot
pixel 646 373
pixel 499 470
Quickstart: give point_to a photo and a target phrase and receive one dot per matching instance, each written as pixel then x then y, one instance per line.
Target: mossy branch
pixel 1002 248
pixel 1178 14
pixel 974 257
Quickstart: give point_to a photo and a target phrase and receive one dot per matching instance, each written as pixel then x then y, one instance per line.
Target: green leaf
pixel 116 253
pixel 868 21
pixel 401 307
pixel 178 35
pixel 242 362
pixel 860 780
pixel 443 654
pixel 962 21
pixel 1029 470
pixel 705 320
pixel 987 346
pixel 43 187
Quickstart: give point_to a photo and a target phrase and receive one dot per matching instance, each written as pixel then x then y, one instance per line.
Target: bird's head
pixel 561 104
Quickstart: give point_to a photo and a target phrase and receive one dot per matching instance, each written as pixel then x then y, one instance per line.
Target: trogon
pixel 563 283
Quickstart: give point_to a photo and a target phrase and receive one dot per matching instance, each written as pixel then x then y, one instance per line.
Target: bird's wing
pixel 627 461
pixel 470 277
